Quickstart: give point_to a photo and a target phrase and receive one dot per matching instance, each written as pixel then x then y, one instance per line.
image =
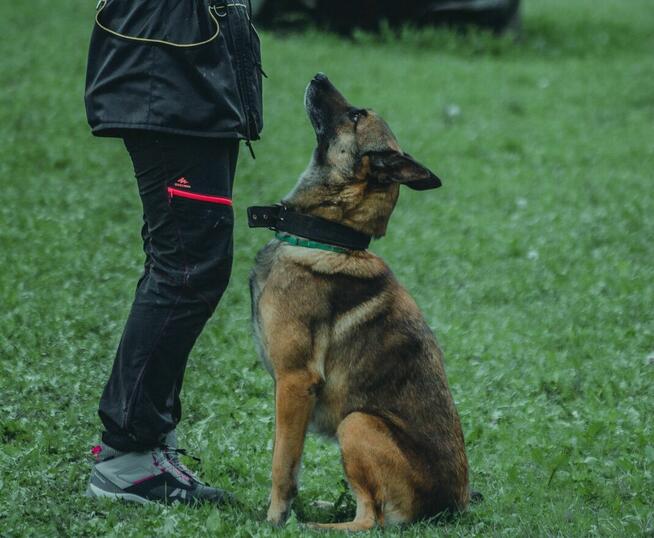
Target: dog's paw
pixel 277 515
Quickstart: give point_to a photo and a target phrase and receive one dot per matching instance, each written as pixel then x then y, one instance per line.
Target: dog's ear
pixel 387 166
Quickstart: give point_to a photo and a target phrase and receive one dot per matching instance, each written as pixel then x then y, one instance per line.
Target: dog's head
pixel 357 168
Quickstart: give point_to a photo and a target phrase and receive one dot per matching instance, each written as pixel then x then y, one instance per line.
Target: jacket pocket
pixel 164 22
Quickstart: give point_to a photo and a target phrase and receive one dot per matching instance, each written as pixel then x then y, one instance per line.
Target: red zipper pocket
pixel 172 192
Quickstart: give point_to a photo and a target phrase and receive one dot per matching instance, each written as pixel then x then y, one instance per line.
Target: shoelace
pixel 163 461
pixel 173 453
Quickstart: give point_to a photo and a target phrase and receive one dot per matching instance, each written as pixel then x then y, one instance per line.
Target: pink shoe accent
pixel 95 451
pixel 144 479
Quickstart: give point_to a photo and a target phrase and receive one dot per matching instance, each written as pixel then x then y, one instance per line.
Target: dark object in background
pixel 345 15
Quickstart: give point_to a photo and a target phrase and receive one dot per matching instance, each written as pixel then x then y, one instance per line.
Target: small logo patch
pixel 183 183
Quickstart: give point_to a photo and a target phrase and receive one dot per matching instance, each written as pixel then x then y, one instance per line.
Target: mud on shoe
pixel 152 476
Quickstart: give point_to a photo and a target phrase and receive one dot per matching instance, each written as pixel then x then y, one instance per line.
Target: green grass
pixel 534 265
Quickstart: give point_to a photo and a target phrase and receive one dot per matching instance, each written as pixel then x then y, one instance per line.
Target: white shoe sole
pixel 94 491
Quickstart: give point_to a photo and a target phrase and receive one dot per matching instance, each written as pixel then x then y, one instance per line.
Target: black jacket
pixel 180 66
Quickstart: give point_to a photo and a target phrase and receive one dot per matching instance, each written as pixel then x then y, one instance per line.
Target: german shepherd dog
pixel 349 350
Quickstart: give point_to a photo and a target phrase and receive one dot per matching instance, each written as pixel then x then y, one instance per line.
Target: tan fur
pixel 350 352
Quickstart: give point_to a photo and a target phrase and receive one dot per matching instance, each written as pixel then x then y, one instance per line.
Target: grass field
pixel 534 265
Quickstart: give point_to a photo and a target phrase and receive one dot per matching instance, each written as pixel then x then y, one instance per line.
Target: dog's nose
pixel 320 77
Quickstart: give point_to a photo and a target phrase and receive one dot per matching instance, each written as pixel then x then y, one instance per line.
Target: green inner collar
pixel 301 242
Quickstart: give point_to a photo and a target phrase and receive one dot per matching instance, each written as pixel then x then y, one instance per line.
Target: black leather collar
pixel 281 218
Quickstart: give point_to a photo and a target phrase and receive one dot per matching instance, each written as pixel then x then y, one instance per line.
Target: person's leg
pixel 188 244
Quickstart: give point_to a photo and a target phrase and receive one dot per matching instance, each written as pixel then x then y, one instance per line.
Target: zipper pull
pixel 249 145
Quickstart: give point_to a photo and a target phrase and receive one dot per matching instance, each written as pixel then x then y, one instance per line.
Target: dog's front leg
pixel 295 395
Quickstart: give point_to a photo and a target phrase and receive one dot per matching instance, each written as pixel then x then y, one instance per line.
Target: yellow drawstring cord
pixel 212 9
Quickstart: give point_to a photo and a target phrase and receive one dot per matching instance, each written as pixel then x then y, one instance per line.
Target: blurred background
pixel 345 16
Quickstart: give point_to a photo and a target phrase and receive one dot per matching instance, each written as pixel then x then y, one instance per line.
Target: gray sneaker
pixel 156 475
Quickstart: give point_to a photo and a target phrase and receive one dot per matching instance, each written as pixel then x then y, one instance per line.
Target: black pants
pixel 185 184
